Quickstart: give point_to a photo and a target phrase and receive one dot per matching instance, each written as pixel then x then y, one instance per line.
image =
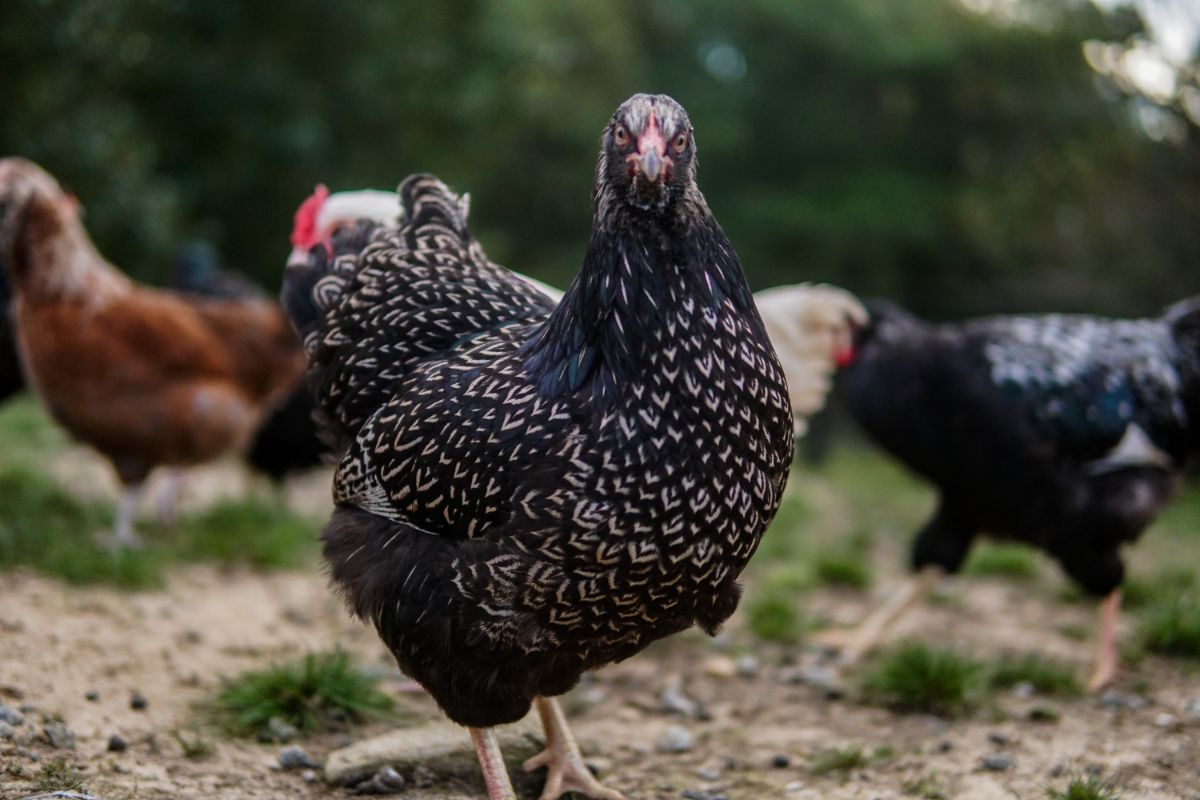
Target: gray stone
pixel 1166 721
pixel 385 781
pixel 295 758
pixel 138 701
pixel 6 730
pixel 116 744
pixel 10 715
pixel 59 736
pixel 278 730
pixel 748 666
pixel 997 763
pixel 676 739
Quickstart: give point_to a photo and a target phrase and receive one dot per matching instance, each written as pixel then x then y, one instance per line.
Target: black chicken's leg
pixel 565 770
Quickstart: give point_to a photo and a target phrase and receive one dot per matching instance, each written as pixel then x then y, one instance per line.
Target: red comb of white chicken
pixel 322 213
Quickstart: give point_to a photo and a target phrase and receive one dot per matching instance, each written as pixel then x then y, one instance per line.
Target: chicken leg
pixel 566 771
pixel 851 645
pixel 495 774
pixel 123 532
pixel 1106 645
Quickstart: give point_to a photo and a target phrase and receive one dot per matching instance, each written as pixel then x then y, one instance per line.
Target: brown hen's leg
pixel 123 533
pixel 495 774
pixel 565 770
pixel 1106 645
pixel 851 645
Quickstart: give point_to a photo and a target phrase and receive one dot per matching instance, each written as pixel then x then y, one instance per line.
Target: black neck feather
pixel 640 268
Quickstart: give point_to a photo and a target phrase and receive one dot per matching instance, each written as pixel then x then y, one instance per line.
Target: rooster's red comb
pixel 304 230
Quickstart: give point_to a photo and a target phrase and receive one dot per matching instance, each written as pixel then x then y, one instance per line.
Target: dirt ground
pixel 757 736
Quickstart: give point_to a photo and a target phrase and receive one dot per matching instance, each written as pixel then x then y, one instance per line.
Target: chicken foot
pixel 565 770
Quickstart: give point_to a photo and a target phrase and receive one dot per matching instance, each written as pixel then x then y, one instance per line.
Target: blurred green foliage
pixel 913 148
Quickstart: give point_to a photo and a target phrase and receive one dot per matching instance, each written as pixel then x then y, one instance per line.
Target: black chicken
pixel 1066 432
pixel 285 441
pixel 532 490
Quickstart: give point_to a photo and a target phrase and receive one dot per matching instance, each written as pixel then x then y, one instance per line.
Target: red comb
pixel 304 230
pixel 845 357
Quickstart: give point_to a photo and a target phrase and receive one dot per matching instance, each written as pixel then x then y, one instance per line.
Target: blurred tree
pixel 957 161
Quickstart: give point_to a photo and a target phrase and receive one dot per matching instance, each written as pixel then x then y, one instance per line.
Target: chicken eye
pixel 620 136
pixel 681 142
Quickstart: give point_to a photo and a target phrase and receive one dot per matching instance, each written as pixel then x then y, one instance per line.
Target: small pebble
pixel 59 736
pixel 1166 721
pixel 945 746
pixel 674 701
pixel 708 774
pixel 1058 770
pixel 823 678
pixel 92 696
pixel 997 763
pixel 309 776
pixel 1114 699
pixel 781 762
pixel 1023 690
pixel 6 730
pixel 10 716
pixel 720 667
pixel 278 730
pixel 295 758
pixel 676 739
pixel 116 744
pixel 1193 707
pixel 748 666
pixel 386 781
pixel 137 701
pixel 997 738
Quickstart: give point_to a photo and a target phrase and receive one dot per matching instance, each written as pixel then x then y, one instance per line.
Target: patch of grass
pixel 785 538
pixel 45 527
pixel 926 787
pixel 1091 788
pixel 916 677
pixel 319 692
pixel 1003 560
pixel 1139 592
pixel 1045 675
pixel 1173 627
pixel 59 776
pixel 851 569
pixel 773 616
pixel 841 760
pixel 195 746
pixel 245 531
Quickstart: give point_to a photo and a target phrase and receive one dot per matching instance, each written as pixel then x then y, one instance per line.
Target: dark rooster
pixel 1066 432
pixel 286 440
pixel 532 490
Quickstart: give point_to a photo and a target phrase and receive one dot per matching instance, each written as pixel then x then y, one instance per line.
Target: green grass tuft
pixel 1003 560
pixel 245 531
pixel 1045 675
pixel 773 616
pixel 195 746
pixel 59 776
pixel 1091 788
pixel 915 677
pixel 1139 592
pixel 1173 627
pixel 319 692
pixel 841 760
pixel 851 569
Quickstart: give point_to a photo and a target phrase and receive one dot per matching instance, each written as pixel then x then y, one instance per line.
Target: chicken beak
pixel 651 163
